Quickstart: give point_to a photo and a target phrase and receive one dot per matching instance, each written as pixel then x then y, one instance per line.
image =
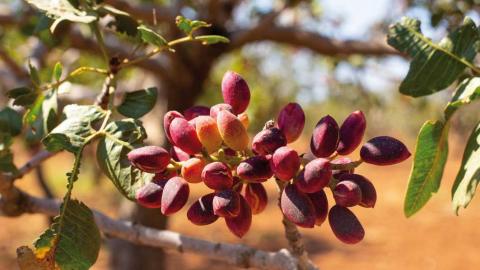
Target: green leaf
pixel 137 103
pixel 73 241
pixel 468 176
pixel 10 121
pixel 184 24
pixel 188 26
pixel 122 136
pixel 49 111
pixel 466 92
pixel 149 36
pixel 62 9
pixel 212 39
pixel 43 24
pixel 57 71
pixel 6 156
pixel 35 110
pixel 42 115
pixel 72 133
pixel 198 24
pixel 434 66
pixel 22 96
pixel 6 162
pixel 33 73
pixel 430 156
pixel 124 23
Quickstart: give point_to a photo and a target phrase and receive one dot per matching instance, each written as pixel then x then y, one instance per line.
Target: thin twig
pixel 34 162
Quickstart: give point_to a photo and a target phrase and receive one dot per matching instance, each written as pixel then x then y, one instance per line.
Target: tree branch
pixel 234 254
pixel 316 42
pixel 34 162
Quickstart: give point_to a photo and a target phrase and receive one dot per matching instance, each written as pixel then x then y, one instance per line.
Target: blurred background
pixel 329 56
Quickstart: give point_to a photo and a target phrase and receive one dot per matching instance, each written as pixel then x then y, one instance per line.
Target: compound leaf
pixel 434 66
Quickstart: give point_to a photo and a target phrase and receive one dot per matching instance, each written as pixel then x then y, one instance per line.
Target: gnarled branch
pixel 234 254
pixel 316 42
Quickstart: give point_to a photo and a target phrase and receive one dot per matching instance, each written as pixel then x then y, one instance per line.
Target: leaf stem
pixel 172 43
pixel 346 166
pixel 73 74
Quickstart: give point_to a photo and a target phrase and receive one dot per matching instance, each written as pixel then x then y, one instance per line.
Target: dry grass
pixel 433 239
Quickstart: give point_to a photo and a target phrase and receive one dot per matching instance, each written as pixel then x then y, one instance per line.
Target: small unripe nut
pixel 150 194
pixel 324 137
pixel 201 211
pixel 167 121
pixel 255 169
pixel 369 194
pixel 257 197
pixel 175 195
pixel 226 203
pixel 232 131
pixel 320 204
pixel 268 140
pixel 345 225
pixel 196 111
pixel 235 91
pixel 291 121
pixel 184 136
pixel 315 176
pixel 285 163
pixel 215 109
pixel 208 134
pixel 297 207
pixel 217 176
pixel 151 159
pixel 240 224
pixel 192 170
pixel 347 193
pixel 351 132
pixel 384 150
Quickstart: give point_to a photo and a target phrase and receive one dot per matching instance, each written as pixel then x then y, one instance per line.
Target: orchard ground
pixel 433 239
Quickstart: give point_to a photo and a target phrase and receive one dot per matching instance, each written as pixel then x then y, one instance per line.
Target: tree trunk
pixel 126 256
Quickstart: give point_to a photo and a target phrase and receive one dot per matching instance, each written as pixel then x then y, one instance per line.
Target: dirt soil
pixel 435 238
